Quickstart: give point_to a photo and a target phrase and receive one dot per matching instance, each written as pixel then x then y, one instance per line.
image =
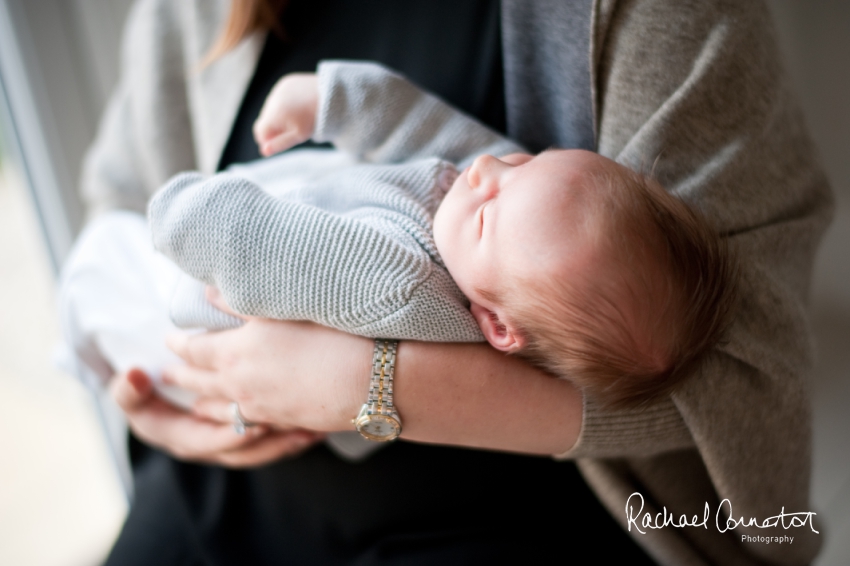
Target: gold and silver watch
pixel 378 419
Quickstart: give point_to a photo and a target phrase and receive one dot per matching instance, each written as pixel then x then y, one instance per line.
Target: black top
pixel 458 58
pixel 408 504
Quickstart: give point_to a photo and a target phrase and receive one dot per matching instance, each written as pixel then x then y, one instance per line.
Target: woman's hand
pixel 282 373
pixel 302 375
pixel 194 438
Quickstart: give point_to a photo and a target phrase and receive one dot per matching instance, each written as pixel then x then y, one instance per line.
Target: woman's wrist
pixel 472 395
pixel 352 354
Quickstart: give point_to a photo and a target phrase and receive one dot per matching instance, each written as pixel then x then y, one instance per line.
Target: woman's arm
pixel 696 92
pixel 293 374
pixel 473 395
pixel 706 104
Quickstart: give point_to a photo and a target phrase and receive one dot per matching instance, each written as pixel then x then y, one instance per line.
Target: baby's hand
pixel 288 116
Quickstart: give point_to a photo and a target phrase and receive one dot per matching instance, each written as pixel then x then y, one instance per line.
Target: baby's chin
pixel 443 237
pixel 442 214
pixel 446 220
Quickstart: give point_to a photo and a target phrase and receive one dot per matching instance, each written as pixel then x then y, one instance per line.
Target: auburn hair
pixel 657 301
pixel 245 18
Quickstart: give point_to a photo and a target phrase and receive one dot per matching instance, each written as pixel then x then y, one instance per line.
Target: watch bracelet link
pixel 380 399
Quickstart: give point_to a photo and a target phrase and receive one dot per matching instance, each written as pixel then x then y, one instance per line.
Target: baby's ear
pixel 500 335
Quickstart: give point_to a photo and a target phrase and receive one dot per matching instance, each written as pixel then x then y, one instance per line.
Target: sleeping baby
pixel 423 224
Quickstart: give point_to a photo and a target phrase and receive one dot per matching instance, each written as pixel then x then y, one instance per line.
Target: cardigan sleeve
pixel 379 116
pixel 696 91
pixel 703 102
pixel 145 135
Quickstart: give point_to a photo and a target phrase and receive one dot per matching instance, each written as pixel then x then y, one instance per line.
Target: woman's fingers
pixel 131 389
pixel 214 409
pixel 272 447
pixel 162 424
pixel 184 435
pixel 215 298
pixel 200 381
pixel 199 350
pixel 207 435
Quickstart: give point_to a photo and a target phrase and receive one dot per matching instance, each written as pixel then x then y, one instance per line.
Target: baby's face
pixel 519 216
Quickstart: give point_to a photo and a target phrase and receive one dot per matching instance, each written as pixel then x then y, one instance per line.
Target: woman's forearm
pixel 302 375
pixel 472 395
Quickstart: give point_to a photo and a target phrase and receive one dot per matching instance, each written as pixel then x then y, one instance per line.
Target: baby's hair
pixel 661 294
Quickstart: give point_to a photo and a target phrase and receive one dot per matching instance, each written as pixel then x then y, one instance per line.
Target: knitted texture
pixel 366 263
pixel 347 246
pixel 381 117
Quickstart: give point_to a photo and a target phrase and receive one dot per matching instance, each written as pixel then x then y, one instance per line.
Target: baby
pixel 585 267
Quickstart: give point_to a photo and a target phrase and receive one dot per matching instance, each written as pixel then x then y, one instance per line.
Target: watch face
pixel 378 427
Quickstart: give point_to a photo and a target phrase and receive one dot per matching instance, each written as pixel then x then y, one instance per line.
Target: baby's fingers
pixel 281 142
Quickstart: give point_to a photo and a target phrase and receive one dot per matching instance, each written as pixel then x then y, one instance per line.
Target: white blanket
pixel 115 298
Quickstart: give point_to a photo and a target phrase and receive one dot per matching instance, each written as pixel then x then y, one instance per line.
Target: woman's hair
pixel 246 17
pixel 659 297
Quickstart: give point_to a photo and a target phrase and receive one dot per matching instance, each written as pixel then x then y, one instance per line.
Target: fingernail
pixel 138 380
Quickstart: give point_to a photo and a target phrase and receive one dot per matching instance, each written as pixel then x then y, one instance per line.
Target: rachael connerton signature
pixel 724 520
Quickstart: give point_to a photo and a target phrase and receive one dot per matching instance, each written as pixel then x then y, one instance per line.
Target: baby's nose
pixel 484 169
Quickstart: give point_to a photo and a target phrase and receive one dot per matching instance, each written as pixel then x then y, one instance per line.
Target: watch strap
pixel 380 400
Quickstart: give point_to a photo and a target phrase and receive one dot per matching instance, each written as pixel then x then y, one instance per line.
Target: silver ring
pixel 240 425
